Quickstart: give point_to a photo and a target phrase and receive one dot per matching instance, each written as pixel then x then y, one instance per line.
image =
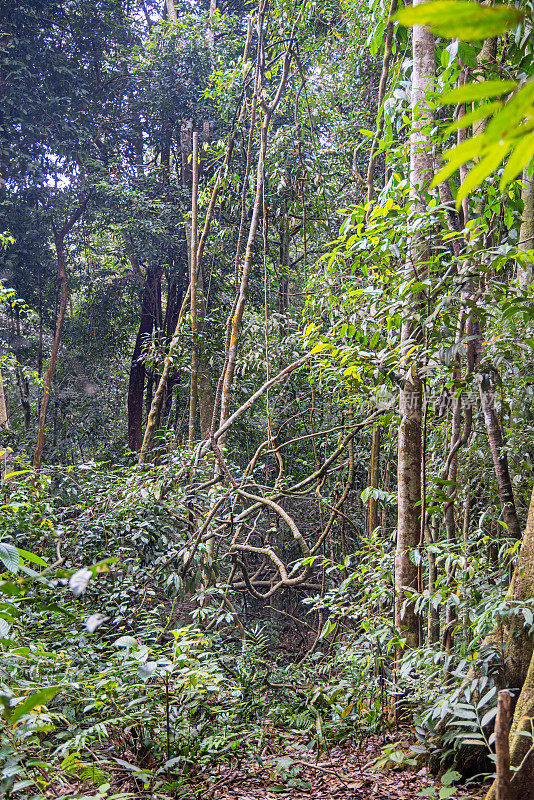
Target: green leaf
pixel 328 627
pixel 482 112
pixel 9 556
pixel 488 716
pixel 31 557
pixel 456 156
pixel 39 699
pixel 461 19
pixel 146 671
pixel 519 158
pixel 320 347
pixel 126 641
pixel 485 167
pixel 487 697
pixel 509 122
pixel 450 777
pixel 467 54
pixel 479 90
pixel 10 588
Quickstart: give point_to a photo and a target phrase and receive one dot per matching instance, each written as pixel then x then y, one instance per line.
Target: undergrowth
pixel 103 685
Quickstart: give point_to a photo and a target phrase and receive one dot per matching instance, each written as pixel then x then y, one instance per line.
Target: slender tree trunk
pixel 171 10
pixel 499 457
pixel 59 240
pixel 237 316
pixel 239 305
pixel 211 32
pixel 283 280
pixel 388 52
pixel 62 274
pixel 22 380
pixel 186 149
pixel 485 58
pixel 193 279
pixel 5 452
pixel 205 401
pixel 410 404
pixel 373 479
pixel 433 612
pixel 136 383
pixel 40 345
pixel 4 421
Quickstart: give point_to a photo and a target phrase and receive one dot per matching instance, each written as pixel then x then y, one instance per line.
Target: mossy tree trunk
pixel 519 652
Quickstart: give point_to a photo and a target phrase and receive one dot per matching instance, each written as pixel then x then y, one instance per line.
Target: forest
pixel 266 399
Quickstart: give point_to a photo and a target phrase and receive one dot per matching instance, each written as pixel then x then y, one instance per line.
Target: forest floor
pixel 341 774
pixel 291 771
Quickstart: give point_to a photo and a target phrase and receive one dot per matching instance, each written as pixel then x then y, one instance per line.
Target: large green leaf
pixel 485 167
pixel 31 557
pixel 520 157
pixel 480 90
pixel 460 19
pixel 508 132
pixel 9 556
pixel 518 110
pixel 33 701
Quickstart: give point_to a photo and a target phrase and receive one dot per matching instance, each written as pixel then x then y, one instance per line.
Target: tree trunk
pixel 526 235
pixel 136 383
pixel 22 380
pixel 62 275
pixel 59 240
pixel 520 667
pixel 410 404
pixel 388 52
pixel 193 280
pixel 373 478
pixel 236 316
pixel 206 400
pixel 499 457
pixel 171 10
pixel 283 278
pixel 5 452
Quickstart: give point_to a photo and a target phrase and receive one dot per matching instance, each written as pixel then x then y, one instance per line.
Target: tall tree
pixel 411 395
pixel 59 240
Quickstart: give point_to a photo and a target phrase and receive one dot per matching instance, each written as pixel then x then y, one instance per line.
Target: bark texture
pixel 193 279
pixel 410 404
pixel 373 479
pixel 499 457
pixel 520 670
pixel 526 235
pixel 136 383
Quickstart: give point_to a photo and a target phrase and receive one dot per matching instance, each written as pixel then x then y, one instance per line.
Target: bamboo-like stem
pixel 193 391
pixel 373 478
pixel 160 391
pixel 388 51
pixel 239 307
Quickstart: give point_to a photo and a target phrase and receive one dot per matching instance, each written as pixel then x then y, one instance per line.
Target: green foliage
pixel 134 653
pixel 509 131
pixel 462 19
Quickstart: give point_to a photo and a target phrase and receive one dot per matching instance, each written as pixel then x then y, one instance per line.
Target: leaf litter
pixel 343 773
